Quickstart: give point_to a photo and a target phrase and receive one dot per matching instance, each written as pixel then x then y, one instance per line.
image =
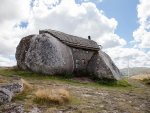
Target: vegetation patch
pixel 21 96
pixel 26 86
pixel 145 78
pixel 146 81
pixel 52 96
pixel 119 83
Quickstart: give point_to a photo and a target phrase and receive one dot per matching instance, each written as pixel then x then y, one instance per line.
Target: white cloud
pixel 136 57
pixel 142 34
pixel 77 19
pixel 6 61
pixel 11 10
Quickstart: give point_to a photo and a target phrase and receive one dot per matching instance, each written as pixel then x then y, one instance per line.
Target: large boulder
pixel 45 54
pixel 101 66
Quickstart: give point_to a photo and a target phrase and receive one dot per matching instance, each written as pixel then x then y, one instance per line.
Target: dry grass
pixel 27 86
pixel 141 77
pixel 52 96
pixel 3 81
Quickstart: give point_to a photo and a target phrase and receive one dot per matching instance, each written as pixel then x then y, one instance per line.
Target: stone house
pixel 54 52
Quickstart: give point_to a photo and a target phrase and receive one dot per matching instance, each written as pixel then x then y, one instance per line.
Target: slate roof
pixel 72 41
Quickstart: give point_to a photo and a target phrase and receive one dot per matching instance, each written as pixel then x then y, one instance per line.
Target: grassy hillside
pixel 81 95
pixel 135 71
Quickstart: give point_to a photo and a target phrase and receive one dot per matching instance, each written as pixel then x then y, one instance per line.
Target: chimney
pixel 89 37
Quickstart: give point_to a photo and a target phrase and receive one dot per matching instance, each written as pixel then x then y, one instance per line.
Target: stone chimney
pixel 89 37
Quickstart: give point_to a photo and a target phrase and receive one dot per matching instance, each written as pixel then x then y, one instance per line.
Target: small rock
pixel 14 87
pixel 14 109
pixel 35 110
pixel 7 91
pixel 5 96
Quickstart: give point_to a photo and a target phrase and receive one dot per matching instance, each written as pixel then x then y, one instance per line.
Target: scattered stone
pixel 5 96
pixel 7 91
pixel 13 108
pixel 13 87
pixel 35 110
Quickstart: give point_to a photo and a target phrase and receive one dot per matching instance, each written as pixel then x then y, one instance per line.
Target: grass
pixel 118 83
pixel 27 89
pixel 47 93
pixel 26 86
pixel 21 96
pixel 3 81
pixel 141 76
pixel 146 81
pixel 52 96
pixel 62 79
pixel 145 78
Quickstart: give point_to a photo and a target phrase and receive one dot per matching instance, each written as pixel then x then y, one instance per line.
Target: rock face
pixel 53 52
pixel 7 91
pixel 102 67
pixel 5 96
pixel 13 87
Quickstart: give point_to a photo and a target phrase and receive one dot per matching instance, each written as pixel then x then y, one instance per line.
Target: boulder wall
pixel 45 54
pixel 102 67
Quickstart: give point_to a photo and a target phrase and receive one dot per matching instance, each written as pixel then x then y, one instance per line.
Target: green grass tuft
pixel 119 83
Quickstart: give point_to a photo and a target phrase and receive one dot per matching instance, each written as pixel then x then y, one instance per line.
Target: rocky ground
pixel 86 96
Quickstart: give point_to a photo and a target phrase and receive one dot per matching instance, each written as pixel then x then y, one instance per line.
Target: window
pixel 77 65
pixel 83 61
pixel 77 61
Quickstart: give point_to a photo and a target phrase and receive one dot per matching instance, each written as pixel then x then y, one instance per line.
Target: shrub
pixel 52 96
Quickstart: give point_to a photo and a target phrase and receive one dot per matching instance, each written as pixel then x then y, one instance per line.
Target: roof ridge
pixel 72 40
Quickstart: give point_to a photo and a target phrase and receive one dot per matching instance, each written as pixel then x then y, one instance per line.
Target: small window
pixel 77 61
pixel 83 61
pixel 77 65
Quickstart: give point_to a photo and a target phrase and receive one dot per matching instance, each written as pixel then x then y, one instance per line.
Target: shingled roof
pixel 72 41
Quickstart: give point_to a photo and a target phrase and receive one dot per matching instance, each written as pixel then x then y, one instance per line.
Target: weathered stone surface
pixel 22 50
pixel 5 96
pixel 12 108
pixel 52 52
pixel 7 91
pixel 102 67
pixel 13 87
pixel 48 55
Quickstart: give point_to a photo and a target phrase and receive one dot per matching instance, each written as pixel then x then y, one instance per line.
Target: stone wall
pixel 81 58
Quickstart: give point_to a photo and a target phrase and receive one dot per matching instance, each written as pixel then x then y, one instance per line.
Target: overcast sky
pixel 122 27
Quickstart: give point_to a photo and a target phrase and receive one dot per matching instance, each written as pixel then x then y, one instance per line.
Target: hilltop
pixel 86 96
pixel 135 71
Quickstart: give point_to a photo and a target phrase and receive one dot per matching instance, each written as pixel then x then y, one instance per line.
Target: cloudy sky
pixel 122 27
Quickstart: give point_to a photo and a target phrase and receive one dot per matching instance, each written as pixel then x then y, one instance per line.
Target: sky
pixel 122 27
